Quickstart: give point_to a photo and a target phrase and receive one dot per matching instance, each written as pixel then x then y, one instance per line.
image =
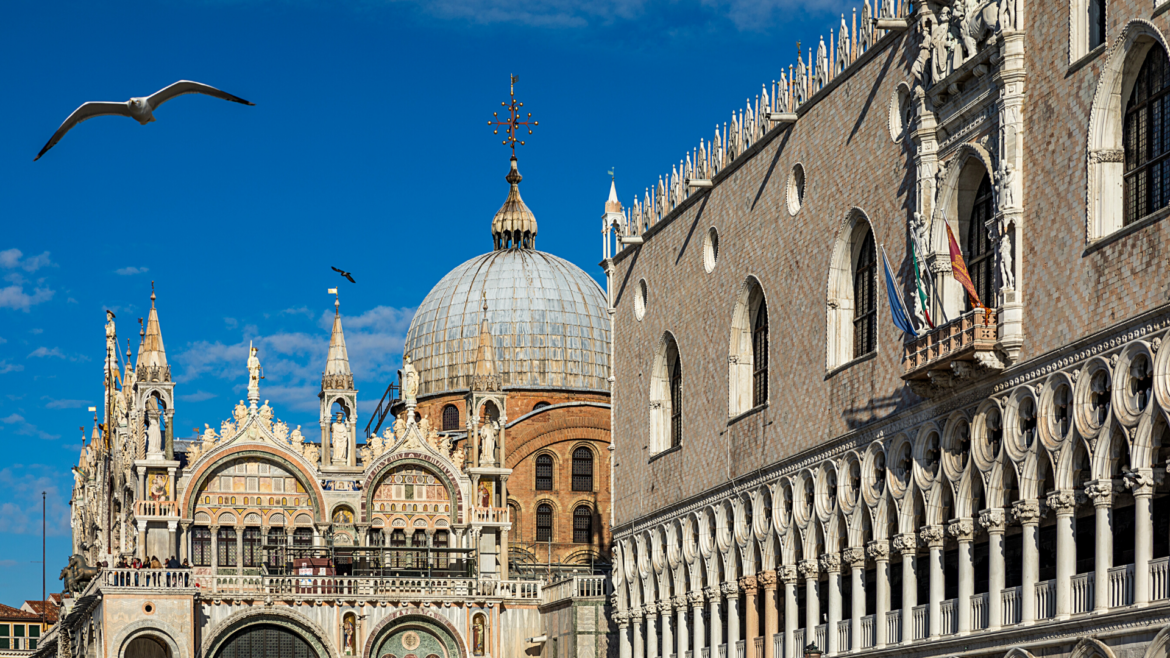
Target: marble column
pixel 172 532
pixel 1141 483
pixel 787 573
pixel 1027 512
pixel 665 608
pixel 680 625
pixel 240 548
pixel 767 580
pixel 992 521
pixel 907 545
pixel 1064 504
pixel 714 598
pixel 855 558
pixel 830 563
pixel 879 552
pixel 932 536
pixel 1101 492
pixel 812 602
pixel 185 552
pixel 698 639
pixel 731 592
pixel 752 617
pixel 636 627
pixel 652 644
pixel 623 624
pixel 142 554
pixel 214 550
pixel 963 532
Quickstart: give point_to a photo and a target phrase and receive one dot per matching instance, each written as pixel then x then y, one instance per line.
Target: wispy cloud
pixel 21 515
pixel 6 367
pixel 65 404
pixel 14 297
pixel 12 259
pixel 25 428
pixel 197 396
pixel 130 270
pixel 43 351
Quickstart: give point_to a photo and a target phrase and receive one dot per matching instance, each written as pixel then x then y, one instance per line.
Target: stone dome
pixel 549 324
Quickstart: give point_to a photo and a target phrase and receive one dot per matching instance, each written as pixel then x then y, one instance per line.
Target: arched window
pixel 582 525
pixel 1147 138
pixel 747 374
pixel 1096 22
pixel 277 548
pixel 252 547
pixel 544 473
pixel 760 355
pixel 539 405
pixel 450 418
pixel 225 541
pixel 980 257
pixel 864 293
pixel 582 469
pixel 665 398
pixel 302 538
pixel 201 546
pixel 544 516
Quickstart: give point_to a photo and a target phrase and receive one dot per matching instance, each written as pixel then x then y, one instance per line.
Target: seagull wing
pixel 86 111
pixel 347 275
pixel 336 270
pixel 188 87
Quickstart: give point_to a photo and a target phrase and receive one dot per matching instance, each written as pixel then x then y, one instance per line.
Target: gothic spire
pixel 152 354
pixel 485 378
pixel 337 372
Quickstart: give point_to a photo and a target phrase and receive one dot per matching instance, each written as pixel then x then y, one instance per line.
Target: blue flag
pixel 897 304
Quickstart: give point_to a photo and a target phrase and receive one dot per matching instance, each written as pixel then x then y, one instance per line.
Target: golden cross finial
pixel 513 121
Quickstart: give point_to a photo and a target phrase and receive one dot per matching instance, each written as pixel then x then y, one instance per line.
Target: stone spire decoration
pixel 152 356
pixel 485 378
pixel 514 226
pixel 154 392
pixel 338 430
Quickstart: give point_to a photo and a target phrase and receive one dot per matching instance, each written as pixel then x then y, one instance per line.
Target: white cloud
pixel 3 340
pixel 6 367
pixel 43 351
pixel 25 428
pixel 36 331
pixel 127 271
pixel 11 259
pixel 21 515
pixel 197 396
pixel 66 404
pixel 16 298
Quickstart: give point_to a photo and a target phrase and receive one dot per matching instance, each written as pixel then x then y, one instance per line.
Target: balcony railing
pixel 867 633
pixel 894 626
pixel 1160 579
pixel 758 643
pixel 979 611
pixel 921 621
pixel 489 515
pixel 948 618
pixel 1011 606
pixel 844 634
pixel 820 636
pixel 1121 586
pixel 798 642
pixel 1081 593
pixel 722 651
pixel 705 652
pixel 778 645
pixel 958 340
pixel 577 587
pixel 164 508
pixel 739 649
pixel 1046 599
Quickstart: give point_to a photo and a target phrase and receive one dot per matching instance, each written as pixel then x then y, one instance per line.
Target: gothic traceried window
pixel 226 543
pixel 582 525
pixel 544 522
pixel 1147 138
pixel 201 546
pixel 864 298
pixel 582 469
pixel 450 418
pixel 544 473
pixel 980 256
pixel 760 355
pixel 252 547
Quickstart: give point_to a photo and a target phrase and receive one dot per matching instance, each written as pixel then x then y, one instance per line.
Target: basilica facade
pixel 466 521
pixel 797 475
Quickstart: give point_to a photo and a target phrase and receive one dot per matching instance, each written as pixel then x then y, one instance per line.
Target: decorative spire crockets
pixel 485 378
pixel 338 375
pixel 152 363
pixel 514 226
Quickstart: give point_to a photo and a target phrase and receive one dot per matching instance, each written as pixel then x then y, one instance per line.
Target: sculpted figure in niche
pixel 487 443
pixel 1005 187
pixel 154 434
pixel 340 439
pixel 1007 272
pixel 409 381
pixel 478 635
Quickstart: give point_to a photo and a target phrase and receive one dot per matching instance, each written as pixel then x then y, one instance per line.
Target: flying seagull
pixel 343 273
pixel 141 108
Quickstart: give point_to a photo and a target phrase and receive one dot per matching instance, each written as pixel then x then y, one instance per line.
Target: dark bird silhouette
pixel 141 108
pixel 344 274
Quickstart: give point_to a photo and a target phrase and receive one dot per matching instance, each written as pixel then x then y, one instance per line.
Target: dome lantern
pixel 514 226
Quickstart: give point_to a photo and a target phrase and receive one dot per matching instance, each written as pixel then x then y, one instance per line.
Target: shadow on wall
pixel 877 408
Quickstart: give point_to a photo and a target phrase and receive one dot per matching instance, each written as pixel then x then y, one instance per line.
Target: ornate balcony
pixel 490 515
pixel 956 350
pixel 163 509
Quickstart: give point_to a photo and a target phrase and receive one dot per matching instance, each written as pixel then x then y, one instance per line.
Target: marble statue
pixel 409 381
pixel 240 413
pixel 377 445
pixel 154 435
pixel 253 372
pixel 296 438
pixel 1007 271
pixel 339 432
pixel 280 431
pixel 487 443
pixel 266 414
pixel 312 453
pixel 1005 187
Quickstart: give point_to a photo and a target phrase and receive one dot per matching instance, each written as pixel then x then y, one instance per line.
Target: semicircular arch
pixel 272 454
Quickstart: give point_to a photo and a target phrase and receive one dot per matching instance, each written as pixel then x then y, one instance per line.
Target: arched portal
pixel 147 646
pixel 420 634
pixel 266 641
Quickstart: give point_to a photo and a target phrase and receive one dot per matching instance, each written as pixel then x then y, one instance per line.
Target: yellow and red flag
pixel 959 269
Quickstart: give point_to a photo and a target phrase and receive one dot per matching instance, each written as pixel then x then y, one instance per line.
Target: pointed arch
pixel 666 396
pixel 851 293
pixel 747 360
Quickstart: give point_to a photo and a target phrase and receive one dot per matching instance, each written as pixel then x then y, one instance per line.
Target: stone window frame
pixel 667 357
pixel 535 470
pixel 594 460
pixel 1080 28
pixel 839 302
pixel 741 349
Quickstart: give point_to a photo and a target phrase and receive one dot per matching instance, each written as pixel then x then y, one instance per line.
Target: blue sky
pixel 368 149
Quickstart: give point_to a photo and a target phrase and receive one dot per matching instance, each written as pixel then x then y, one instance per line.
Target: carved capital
pixel 878 550
pixel 906 543
pixel 679 602
pixel 622 619
pixel 636 615
pixel 961 529
pixel 807 568
pixel 749 584
pixel 830 563
pixel 1101 492
pixel 1027 512
pixel 1061 502
pixel 729 589
pixel 1106 155
pixel 1140 482
pixel 767 579
pixel 932 535
pixel 854 556
pixel 992 520
pixel 787 573
pixel 712 593
pixel 696 599
pixel 665 608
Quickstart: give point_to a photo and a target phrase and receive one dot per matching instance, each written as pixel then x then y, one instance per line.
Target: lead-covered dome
pixel 548 319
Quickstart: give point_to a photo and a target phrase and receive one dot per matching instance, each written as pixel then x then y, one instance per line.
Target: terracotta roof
pixel 8 613
pixel 51 610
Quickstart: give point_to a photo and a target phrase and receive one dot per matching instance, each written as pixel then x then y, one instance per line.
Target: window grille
pixel 582 525
pixel 252 547
pixel 201 546
pixel 980 255
pixel 760 356
pixel 864 291
pixel 582 469
pixel 544 522
pixel 1147 138
pixel 226 543
pixel 676 403
pixel 544 473
pixel 450 418
pixel 539 405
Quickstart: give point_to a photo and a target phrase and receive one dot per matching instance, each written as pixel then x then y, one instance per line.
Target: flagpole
pixel 44 602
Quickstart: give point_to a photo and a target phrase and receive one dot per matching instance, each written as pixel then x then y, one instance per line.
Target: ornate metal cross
pixel 513 121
